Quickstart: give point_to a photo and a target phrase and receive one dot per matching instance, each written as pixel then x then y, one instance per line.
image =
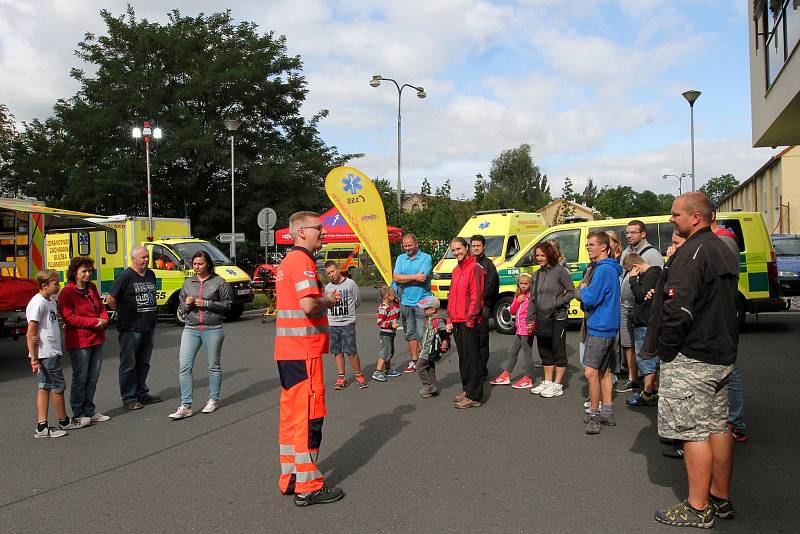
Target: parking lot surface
pixel 517 464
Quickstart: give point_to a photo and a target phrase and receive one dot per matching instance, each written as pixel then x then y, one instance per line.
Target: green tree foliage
pixel 589 195
pixel 7 134
pixel 565 209
pixel 718 187
pixel 623 201
pixel 187 76
pixel 514 182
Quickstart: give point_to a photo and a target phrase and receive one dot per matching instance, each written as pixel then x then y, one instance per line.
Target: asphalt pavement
pixel 519 463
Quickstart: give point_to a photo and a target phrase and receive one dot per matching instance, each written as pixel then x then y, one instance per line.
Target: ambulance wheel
pixel 175 311
pixel 503 321
pixel 235 312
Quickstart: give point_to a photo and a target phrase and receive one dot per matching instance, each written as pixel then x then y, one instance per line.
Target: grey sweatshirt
pixel 217 297
pixel 344 313
pixel 553 292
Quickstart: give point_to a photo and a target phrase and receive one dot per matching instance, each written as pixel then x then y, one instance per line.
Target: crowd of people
pixel 670 328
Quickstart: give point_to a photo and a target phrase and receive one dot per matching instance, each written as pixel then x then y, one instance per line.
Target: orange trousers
pixel 302 414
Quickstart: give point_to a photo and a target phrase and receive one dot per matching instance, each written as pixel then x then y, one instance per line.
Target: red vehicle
pixel 264 277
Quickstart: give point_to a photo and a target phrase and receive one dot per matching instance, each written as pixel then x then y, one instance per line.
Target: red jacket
pixel 80 313
pixel 465 302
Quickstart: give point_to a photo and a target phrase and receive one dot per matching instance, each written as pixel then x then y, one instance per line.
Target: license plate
pixel 243 292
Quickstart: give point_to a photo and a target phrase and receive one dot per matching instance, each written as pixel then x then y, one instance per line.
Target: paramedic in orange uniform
pixel 301 338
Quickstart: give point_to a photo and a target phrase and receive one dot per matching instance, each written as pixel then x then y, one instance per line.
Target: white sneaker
pixel 181 413
pixel 49 432
pixel 99 417
pixel 588 406
pixel 211 406
pixel 555 390
pixel 75 423
pixel 544 384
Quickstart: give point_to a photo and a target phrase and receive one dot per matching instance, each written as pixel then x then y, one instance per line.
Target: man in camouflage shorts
pixel 693 328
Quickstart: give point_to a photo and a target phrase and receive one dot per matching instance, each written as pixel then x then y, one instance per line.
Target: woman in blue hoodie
pixel 600 297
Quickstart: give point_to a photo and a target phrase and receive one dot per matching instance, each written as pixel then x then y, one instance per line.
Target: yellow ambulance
pixel 506 232
pixel 170 251
pixel 758 273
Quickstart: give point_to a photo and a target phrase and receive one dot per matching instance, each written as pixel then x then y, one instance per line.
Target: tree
pixel 515 182
pixel 425 190
pixel 616 202
pixel 187 75
pixel 648 203
pixel 565 208
pixel 589 195
pixel 718 187
pixel 7 134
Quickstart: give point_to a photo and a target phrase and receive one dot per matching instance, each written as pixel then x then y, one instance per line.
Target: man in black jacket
pixel 694 330
pixel 491 290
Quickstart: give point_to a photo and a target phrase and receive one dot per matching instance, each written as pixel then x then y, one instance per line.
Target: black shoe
pixel 722 507
pixel 628 385
pixel 607 421
pixel 683 515
pixel 322 496
pixel 133 405
pixel 150 399
pixel 676 451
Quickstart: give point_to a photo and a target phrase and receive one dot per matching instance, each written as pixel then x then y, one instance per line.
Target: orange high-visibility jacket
pixel 298 336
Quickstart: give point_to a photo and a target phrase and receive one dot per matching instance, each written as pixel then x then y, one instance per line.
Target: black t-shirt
pixel 136 300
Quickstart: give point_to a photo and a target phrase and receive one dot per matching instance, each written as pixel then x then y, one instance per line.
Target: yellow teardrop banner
pixel 359 202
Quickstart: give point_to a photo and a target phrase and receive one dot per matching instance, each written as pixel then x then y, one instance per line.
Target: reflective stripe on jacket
pixel 298 336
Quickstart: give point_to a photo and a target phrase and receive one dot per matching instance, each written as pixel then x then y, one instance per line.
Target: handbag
pixel 542 323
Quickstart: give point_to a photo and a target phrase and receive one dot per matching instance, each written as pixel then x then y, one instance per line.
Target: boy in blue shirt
pixel 600 296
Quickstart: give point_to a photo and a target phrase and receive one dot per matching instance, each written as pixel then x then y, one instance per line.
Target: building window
pixel 111 241
pixel 780 23
pixel 83 243
pixel 414 207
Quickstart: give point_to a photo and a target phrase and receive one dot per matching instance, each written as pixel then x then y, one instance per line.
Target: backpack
pixel 435 352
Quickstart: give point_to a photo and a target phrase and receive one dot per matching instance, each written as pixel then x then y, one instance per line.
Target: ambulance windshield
pixel 188 249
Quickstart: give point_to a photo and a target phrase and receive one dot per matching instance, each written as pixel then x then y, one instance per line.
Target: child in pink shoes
pixel 522 340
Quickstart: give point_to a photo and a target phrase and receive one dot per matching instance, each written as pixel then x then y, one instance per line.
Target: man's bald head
pixel 697 202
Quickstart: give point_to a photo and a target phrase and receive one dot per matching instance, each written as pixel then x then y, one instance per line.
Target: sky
pixel 593 86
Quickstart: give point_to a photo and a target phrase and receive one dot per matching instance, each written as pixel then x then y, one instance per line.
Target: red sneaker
pixel 341 383
pixel 501 380
pixel 361 381
pixel 523 383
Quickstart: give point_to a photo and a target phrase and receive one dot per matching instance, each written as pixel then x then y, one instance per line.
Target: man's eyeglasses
pixel 317 227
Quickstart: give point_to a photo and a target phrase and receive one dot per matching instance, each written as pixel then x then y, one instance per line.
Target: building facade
pixel 775 72
pixel 552 216
pixel 773 191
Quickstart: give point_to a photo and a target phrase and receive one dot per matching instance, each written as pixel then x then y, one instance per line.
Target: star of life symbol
pixel 336 220
pixel 352 184
pixel 484 225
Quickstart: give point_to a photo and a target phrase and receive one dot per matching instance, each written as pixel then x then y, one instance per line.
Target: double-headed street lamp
pixel 690 97
pixel 232 125
pixel 375 82
pixel 147 133
pixel 680 180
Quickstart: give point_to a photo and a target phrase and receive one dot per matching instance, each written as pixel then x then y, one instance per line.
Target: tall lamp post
pixel 690 97
pixel 232 125
pixel 147 134
pixel 375 82
pixel 680 180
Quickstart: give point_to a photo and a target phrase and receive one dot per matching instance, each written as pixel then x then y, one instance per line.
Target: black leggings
pixel 553 350
pixel 469 359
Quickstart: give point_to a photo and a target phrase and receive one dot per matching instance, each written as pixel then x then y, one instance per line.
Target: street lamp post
pixel 375 82
pixel 147 134
pixel 680 180
pixel 690 97
pixel 232 125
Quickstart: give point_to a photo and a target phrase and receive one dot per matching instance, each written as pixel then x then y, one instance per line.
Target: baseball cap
pixel 429 302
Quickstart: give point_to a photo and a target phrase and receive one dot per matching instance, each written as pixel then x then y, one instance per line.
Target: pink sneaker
pixel 501 380
pixel 523 383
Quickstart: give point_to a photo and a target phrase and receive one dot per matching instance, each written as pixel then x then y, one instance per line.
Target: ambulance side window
pixel 111 241
pixel 83 243
pixel 512 247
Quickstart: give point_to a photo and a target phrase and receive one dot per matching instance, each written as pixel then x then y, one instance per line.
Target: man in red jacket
pixel 464 318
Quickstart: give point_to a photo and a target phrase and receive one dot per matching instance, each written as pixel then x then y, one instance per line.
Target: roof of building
pixel 770 163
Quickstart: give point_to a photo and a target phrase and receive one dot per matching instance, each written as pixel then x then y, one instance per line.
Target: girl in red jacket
pixel 464 317
pixel 85 319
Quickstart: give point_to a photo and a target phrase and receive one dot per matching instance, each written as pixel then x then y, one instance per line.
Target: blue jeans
pixel 736 401
pixel 413 320
pixel 86 365
pixel 645 366
pixel 135 349
pixel 191 341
